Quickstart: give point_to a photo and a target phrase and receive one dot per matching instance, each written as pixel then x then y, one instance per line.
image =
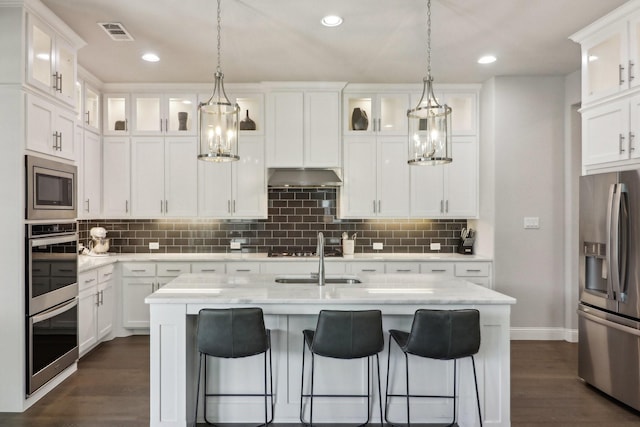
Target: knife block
pixel 465 246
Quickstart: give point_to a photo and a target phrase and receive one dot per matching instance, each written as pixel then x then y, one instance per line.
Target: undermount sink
pixel 306 279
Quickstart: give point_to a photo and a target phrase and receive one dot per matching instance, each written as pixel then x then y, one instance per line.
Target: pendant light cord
pixel 218 28
pixel 428 38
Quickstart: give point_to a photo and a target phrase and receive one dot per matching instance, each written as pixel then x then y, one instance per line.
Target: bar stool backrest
pixel 444 334
pixel 348 334
pixel 232 332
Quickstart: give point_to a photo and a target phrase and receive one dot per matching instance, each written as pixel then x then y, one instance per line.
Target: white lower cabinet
pixel 208 267
pixel 303 267
pixel 138 281
pixel 356 267
pixel 476 272
pixel 242 267
pixel 96 307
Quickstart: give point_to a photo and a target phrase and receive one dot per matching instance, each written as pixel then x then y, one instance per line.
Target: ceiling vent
pixel 116 31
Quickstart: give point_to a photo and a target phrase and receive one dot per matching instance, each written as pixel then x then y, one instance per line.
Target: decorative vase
pixel 247 123
pixel 359 119
pixel 120 125
pixel 182 120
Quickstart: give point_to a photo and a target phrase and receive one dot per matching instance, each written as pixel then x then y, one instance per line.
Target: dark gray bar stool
pixel 233 333
pixel 344 335
pixel 443 335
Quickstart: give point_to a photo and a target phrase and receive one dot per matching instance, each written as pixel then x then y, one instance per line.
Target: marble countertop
pixel 375 289
pixel 86 262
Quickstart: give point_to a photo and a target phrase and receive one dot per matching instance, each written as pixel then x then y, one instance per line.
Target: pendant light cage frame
pixel 429 123
pixel 218 120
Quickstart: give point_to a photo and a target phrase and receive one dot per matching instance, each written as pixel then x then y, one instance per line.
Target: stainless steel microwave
pixel 51 189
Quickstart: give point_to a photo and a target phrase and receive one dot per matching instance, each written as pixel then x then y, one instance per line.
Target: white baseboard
pixel 544 334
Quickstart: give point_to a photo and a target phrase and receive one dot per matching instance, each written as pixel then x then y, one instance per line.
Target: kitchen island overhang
pixel 291 307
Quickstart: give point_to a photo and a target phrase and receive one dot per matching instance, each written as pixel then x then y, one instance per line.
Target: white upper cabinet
pixel 164 114
pixel 376 178
pixel 51 61
pixel 90 204
pixel 610 54
pixel 303 126
pixel 115 109
pixel 375 113
pixel 449 190
pixel 164 177
pixel 116 177
pixel 91 111
pixel 50 129
pixel 610 90
pixel 235 189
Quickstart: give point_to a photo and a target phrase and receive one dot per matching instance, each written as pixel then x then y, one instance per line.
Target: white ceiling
pixel 282 40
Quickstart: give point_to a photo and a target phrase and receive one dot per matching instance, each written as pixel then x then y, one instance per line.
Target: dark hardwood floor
pixel 111 388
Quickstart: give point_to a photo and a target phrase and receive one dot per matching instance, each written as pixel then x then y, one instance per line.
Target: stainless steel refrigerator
pixel 609 309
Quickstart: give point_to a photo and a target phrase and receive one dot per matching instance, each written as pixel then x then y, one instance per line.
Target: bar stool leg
pixel 406 364
pixel 195 419
pixel 386 389
pixel 475 380
pixel 311 406
pixel 379 390
pixel 455 371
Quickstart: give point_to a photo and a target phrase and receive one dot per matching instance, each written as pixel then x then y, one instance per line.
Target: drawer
pixel 172 269
pixel 243 267
pixel 402 267
pixel 366 267
pixel 208 267
pixel 291 267
pixel 105 273
pixel 471 269
pixel 139 269
pixel 444 268
pixel 87 279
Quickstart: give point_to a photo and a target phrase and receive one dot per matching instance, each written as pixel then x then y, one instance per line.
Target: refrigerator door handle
pixel 612 243
pixel 623 240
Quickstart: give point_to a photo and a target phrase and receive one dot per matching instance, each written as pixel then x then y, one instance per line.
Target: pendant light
pixel 218 121
pixel 429 121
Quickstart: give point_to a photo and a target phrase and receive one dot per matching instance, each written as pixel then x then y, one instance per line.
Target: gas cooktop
pixel 303 253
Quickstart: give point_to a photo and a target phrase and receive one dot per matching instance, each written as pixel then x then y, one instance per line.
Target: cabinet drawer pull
pixel 369 270
pixel 438 270
pixel 173 270
pixel 66 270
pixel 403 270
pixel 631 137
pixel 631 76
pixel 107 274
pixel 89 280
pixel 208 270
pixel 620 74
pixel 139 271
pixel 243 270
pixel 620 143
pixel 473 271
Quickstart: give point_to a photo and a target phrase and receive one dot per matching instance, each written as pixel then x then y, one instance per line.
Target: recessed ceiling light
pixel 331 21
pixel 151 57
pixel 487 59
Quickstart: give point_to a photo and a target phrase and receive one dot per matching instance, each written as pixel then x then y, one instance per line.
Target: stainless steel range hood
pixel 304 177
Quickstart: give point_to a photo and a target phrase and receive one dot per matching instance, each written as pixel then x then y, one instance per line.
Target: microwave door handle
pixel 611 252
pixel 45 241
pixel 53 312
pixel 623 236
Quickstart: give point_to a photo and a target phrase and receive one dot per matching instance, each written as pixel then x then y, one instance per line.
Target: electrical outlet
pixel 236 245
pixel 154 245
pixel 434 246
pixel 531 222
pixel 377 246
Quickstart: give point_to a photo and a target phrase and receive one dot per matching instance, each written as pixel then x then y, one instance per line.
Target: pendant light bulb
pixel 218 120
pixel 429 122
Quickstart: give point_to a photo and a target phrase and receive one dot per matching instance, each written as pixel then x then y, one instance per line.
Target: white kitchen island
pixel 290 308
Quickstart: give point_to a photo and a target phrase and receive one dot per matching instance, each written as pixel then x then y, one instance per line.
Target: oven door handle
pixel 53 312
pixel 45 241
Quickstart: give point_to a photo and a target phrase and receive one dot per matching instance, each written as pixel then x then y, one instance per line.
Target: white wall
pixel 525 175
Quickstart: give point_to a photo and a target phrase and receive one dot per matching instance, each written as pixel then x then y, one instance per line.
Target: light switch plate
pixel 377 246
pixel 154 245
pixel 531 222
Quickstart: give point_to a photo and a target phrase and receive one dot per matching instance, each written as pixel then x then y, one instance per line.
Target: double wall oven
pixel 51 270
